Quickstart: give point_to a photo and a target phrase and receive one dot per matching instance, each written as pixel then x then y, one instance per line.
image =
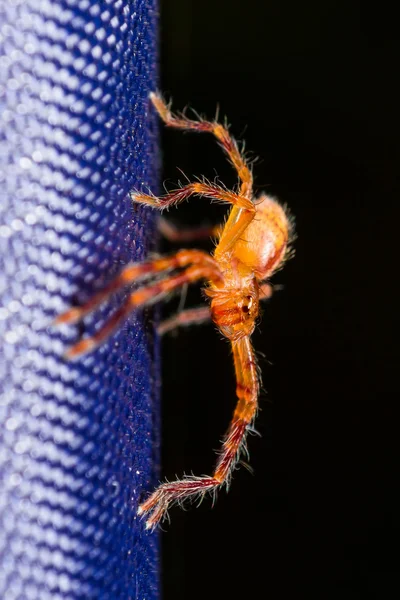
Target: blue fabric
pixel 79 441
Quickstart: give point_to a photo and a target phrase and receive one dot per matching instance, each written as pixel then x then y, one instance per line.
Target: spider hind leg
pixel 194 488
pixel 189 488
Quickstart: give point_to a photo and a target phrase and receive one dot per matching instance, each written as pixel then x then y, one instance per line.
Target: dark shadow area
pixel 311 87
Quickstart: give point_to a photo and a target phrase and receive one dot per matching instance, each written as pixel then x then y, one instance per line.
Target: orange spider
pixel 251 246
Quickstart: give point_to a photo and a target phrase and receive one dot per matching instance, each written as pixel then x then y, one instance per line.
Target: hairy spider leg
pixel 190 316
pixel 242 213
pixel 247 388
pixel 219 131
pixel 167 494
pixel 207 190
pixel 142 296
pixel 240 216
pixel 135 272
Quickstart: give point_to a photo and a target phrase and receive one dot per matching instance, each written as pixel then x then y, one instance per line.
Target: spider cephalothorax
pixel 251 246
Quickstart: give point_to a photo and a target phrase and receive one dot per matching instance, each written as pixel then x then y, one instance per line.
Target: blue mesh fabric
pixel 78 441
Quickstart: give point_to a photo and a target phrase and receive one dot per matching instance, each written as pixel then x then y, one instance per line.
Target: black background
pixel 311 87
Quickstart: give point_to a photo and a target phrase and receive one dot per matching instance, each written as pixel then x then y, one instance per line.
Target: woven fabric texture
pixel 78 440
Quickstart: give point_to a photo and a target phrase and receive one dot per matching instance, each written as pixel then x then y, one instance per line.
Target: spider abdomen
pixel 262 246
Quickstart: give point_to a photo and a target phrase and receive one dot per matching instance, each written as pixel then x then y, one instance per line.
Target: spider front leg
pixel 243 210
pixel 242 213
pixel 219 131
pixel 156 506
pixel 195 189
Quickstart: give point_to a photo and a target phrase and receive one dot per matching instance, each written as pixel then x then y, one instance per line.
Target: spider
pixel 251 246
